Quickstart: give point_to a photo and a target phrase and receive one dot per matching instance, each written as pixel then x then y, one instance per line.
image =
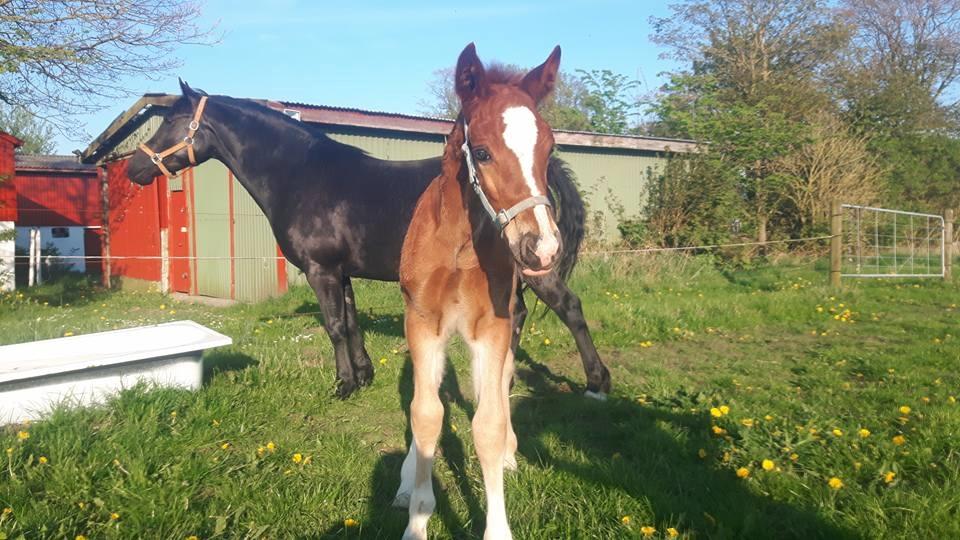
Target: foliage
pixel 681 337
pixel 37 135
pixel 64 57
pixel 607 103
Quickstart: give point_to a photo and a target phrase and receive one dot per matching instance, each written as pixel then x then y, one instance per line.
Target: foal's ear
pixel 541 79
pixel 469 76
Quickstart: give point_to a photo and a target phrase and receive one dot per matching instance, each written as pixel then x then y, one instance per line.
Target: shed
pixel 180 234
pixel 8 209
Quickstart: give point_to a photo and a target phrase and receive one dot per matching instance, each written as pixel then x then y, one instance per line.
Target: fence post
pixel 948 218
pixel 836 242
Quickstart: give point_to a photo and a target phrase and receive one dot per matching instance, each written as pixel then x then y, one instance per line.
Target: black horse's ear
pixel 469 75
pixel 185 88
pixel 541 79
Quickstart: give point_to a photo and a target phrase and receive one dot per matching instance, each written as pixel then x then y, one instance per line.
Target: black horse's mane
pixel 317 133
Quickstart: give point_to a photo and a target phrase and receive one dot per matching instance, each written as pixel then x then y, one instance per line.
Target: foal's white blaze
pixel 520 135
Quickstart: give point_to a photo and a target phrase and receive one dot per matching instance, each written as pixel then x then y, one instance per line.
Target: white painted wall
pixel 6 257
pixel 69 246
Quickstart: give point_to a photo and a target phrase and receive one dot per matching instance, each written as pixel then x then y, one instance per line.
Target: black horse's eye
pixel 481 155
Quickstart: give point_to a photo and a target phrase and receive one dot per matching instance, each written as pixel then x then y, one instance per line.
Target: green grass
pixel 680 338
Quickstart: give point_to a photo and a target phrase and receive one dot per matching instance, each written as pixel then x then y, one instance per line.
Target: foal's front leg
pixel 426 419
pixel 492 372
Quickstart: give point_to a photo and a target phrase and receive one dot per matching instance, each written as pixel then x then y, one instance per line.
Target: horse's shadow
pixel 618 442
pixel 388 325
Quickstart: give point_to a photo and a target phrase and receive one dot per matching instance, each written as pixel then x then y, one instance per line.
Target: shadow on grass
pixel 384 324
pixel 223 361
pixel 620 446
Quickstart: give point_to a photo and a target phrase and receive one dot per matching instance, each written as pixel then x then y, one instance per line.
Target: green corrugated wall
pixel 611 178
pixel 211 200
pixel 256 248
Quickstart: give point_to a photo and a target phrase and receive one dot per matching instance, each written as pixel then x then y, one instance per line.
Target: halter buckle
pixel 156 159
pixel 194 125
pixel 188 140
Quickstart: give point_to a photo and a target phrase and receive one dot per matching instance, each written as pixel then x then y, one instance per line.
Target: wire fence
pixel 879 242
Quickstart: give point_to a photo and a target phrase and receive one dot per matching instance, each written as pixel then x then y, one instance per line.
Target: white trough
pixel 87 369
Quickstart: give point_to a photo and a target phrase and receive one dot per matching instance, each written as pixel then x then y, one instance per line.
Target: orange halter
pixel 187 142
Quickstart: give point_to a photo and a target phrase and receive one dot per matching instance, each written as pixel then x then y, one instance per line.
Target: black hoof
pixel 364 374
pixel 601 384
pixel 346 388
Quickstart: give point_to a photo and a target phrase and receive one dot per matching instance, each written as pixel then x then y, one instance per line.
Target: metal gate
pixel 879 242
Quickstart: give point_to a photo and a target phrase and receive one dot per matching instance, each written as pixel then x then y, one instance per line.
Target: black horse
pixel 338 213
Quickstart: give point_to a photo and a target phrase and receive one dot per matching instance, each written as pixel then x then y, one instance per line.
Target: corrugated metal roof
pixel 102 146
pixel 52 163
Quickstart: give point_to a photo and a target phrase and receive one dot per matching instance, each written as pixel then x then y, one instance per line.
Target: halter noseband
pixel 502 218
pixel 187 142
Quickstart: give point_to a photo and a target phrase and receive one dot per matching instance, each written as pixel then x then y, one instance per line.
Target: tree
pixel 37 136
pixel 64 57
pixel 607 103
pixel 562 110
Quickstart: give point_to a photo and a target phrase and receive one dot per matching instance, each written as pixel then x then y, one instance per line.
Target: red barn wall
pixel 51 199
pixel 134 216
pixel 8 192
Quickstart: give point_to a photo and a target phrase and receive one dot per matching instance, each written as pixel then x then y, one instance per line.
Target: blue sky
pixel 380 55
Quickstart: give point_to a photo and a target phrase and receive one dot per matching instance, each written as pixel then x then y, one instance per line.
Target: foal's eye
pixel 481 155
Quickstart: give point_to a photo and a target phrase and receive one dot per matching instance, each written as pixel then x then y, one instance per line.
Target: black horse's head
pixel 149 160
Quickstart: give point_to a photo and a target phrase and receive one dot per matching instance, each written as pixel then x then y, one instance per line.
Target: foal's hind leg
pixel 362 366
pixel 329 289
pixel 555 293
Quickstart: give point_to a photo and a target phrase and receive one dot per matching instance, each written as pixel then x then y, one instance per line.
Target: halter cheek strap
pixel 502 218
pixel 187 142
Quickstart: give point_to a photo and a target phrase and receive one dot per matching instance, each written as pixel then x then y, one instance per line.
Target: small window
pixel 60 232
pixel 292 113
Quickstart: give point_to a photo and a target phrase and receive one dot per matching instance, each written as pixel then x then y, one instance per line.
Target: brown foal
pixel 486 217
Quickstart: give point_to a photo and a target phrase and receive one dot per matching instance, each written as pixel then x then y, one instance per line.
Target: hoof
pixel 346 388
pixel 599 396
pixel 365 374
pixel 510 462
pixel 402 500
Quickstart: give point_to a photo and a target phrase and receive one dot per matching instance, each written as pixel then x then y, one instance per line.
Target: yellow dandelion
pixel 925 399
pixel 350 522
pixel 673 533
pixel 863 433
pixel 857 465
pixel 297 458
pixel 162 306
pixel 702 453
pixel 23 435
pixel 271 446
pixel 951 400
pixel 80 537
pixel 768 418
pixel 743 472
pixel 546 341
pixel 193 537
pixel 10 451
pixel 647 530
pixel 835 483
pixel 889 476
pixel 114 516
pixel 726 457
pixel 768 465
pixel 794 457
pixel 453 428
pixel 7 511
pixel 260 451
pixel 383 361
pixel 905 409
pixel 747 422
pixel 899 440
pixel 725 410
pixel 718 431
pixel 715 412
pixel 43 460
pixel 837 432
pixel 67 334
pixel 625 520
pixel 225 445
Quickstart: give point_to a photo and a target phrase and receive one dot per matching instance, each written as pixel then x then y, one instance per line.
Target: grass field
pixel 756 404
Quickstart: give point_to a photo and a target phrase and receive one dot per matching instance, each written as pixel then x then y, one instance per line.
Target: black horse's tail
pixel 571 215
